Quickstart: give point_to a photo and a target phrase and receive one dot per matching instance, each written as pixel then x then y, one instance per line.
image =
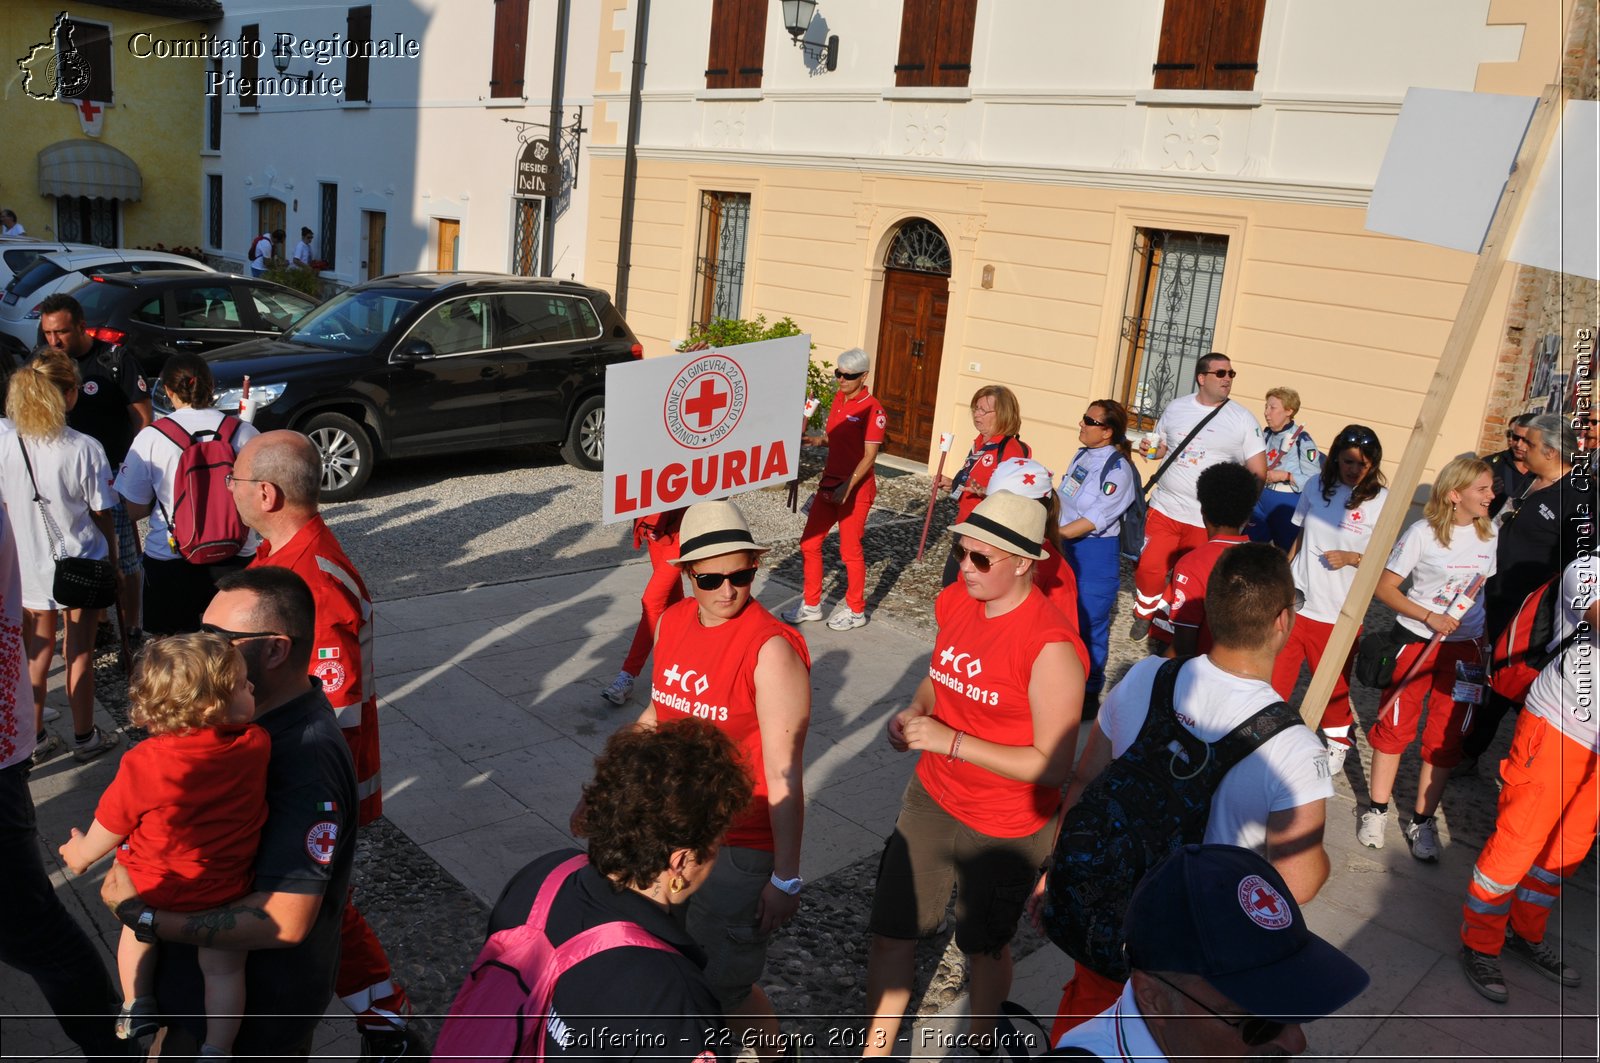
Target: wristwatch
pixel 140 918
pixel 791 886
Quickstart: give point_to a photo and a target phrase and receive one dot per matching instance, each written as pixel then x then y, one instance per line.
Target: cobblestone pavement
pixel 428 526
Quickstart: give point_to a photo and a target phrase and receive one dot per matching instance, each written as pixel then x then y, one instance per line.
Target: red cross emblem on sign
pixel 704 405
pixel 88 109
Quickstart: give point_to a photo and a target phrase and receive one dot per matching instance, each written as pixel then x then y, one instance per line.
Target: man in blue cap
pixel 1224 966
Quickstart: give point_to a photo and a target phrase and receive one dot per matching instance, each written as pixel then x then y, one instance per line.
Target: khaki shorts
pixel 930 852
pixel 721 917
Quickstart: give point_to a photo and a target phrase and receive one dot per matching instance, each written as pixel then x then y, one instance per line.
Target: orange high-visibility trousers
pixel 1549 805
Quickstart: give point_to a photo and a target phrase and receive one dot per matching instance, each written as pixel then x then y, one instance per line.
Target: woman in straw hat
pixel 996 722
pixel 721 657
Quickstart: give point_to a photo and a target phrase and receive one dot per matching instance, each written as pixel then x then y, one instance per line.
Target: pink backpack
pixel 496 1015
pixel 204 525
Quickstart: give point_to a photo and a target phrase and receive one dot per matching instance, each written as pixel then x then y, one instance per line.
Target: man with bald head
pixel 276 482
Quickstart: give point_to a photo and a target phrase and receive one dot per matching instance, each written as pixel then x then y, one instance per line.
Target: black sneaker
pixel 1542 957
pixel 380 1046
pixel 1483 971
pixel 1139 630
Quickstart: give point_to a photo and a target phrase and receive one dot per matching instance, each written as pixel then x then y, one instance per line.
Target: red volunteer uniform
pixel 341 659
pixel 1185 599
pixel 190 807
pixel 709 673
pixel 852 424
pixel 982 460
pixel 659 533
pixel 980 671
pixel 1054 577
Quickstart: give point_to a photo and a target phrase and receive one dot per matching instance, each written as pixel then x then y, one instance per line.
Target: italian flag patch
pixel 328 806
pixel 327 653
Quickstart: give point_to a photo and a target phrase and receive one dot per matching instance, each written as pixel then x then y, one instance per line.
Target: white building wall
pixel 430 145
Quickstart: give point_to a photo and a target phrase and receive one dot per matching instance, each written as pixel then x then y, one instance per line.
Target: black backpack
pixel 1134 813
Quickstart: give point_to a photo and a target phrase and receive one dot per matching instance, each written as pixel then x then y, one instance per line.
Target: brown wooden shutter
pixel 919 36
pixel 1181 54
pixel 249 65
pixel 92 42
pixel 1235 44
pixel 358 31
pixel 738 44
pixel 510 48
pixel 953 51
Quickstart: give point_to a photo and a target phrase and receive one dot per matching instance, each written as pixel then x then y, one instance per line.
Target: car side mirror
pixel 415 350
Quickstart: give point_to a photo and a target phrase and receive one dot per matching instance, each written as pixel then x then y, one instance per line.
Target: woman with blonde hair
pixel 1292 460
pixel 997 416
pixel 1447 555
pixel 57 487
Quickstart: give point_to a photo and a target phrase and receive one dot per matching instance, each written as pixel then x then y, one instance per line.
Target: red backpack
pixel 1523 649
pixel 204 525
pixel 496 1015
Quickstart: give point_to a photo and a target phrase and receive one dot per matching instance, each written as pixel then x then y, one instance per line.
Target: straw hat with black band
pixel 1010 522
pixel 711 529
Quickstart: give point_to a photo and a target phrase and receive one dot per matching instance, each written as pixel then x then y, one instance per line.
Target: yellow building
pixel 104 120
pixel 1076 200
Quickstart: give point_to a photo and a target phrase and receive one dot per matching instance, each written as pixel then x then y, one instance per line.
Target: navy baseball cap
pixel 1224 913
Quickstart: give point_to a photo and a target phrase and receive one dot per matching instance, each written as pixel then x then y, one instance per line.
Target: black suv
pixel 428 363
pixel 157 314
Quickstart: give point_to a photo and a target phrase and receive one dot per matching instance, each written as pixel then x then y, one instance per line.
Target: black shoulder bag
pixel 80 582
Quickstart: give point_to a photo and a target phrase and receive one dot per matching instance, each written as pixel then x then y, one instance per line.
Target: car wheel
pixel 585 445
pixel 347 455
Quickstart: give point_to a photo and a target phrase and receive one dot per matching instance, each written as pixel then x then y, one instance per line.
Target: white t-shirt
pixel 1118 1033
pixel 263 251
pixel 1232 435
pixel 149 470
pixel 1289 770
pixel 302 254
pixel 16 692
pixel 1564 692
pixel 1328 526
pixel 14 230
pixel 75 480
pixel 1439 575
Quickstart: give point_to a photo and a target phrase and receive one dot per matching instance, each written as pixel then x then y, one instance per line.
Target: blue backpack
pixel 1130 536
pixel 1150 800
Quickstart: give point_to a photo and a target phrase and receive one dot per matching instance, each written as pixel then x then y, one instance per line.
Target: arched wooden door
pixel 916 298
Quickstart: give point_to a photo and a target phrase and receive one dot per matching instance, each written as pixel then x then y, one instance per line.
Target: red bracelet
pixel 955 746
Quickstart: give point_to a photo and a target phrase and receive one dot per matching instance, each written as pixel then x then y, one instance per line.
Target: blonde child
pixel 184 814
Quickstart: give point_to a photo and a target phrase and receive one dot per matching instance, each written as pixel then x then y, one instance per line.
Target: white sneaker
pixel 620 690
pixel 844 618
pixel 801 613
pixel 1369 831
pixel 1424 840
pixel 51 714
pixel 1337 751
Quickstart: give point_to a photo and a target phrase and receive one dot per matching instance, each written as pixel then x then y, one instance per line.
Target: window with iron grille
pixel 214 209
pixel 214 108
pixel 936 42
pixel 328 224
pixel 249 63
pixel 508 60
pixel 1209 44
pixel 87 220
pixel 719 256
pixel 527 215
pixel 738 44
pixel 1174 296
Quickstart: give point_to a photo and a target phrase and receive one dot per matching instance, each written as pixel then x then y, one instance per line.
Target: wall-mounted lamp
pixel 280 60
pixel 797 16
pixel 988 276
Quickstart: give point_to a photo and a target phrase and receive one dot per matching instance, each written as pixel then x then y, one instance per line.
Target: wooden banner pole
pixel 1435 405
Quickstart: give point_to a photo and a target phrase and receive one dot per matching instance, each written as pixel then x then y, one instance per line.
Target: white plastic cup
pixel 1150 445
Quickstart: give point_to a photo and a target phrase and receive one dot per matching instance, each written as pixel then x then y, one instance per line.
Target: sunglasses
pixel 980 562
pixel 1090 422
pixel 1356 439
pixel 1252 1029
pixel 848 376
pixel 710 581
pixel 1228 374
pixel 242 636
pixel 1518 439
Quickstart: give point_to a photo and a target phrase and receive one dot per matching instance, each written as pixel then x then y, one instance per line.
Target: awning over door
pixel 88 168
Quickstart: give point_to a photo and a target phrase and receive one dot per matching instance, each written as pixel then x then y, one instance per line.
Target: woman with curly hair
pixel 1445 554
pixel 1336 514
pixel 57 483
pixel 184 814
pixel 655 813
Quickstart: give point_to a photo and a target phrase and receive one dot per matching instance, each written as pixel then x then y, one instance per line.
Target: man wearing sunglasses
pixel 1224 966
pixel 1511 473
pixel 1206 429
pixel 290 924
pixel 275 483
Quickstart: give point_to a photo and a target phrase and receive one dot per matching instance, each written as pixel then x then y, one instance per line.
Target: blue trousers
pixel 1096 564
pixel 1273 519
pixel 39 937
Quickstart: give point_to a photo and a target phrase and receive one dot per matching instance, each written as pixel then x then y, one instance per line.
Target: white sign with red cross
pixel 703 425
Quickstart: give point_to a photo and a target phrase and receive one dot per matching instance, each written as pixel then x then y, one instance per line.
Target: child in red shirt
pixel 184 814
pixel 1227 494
